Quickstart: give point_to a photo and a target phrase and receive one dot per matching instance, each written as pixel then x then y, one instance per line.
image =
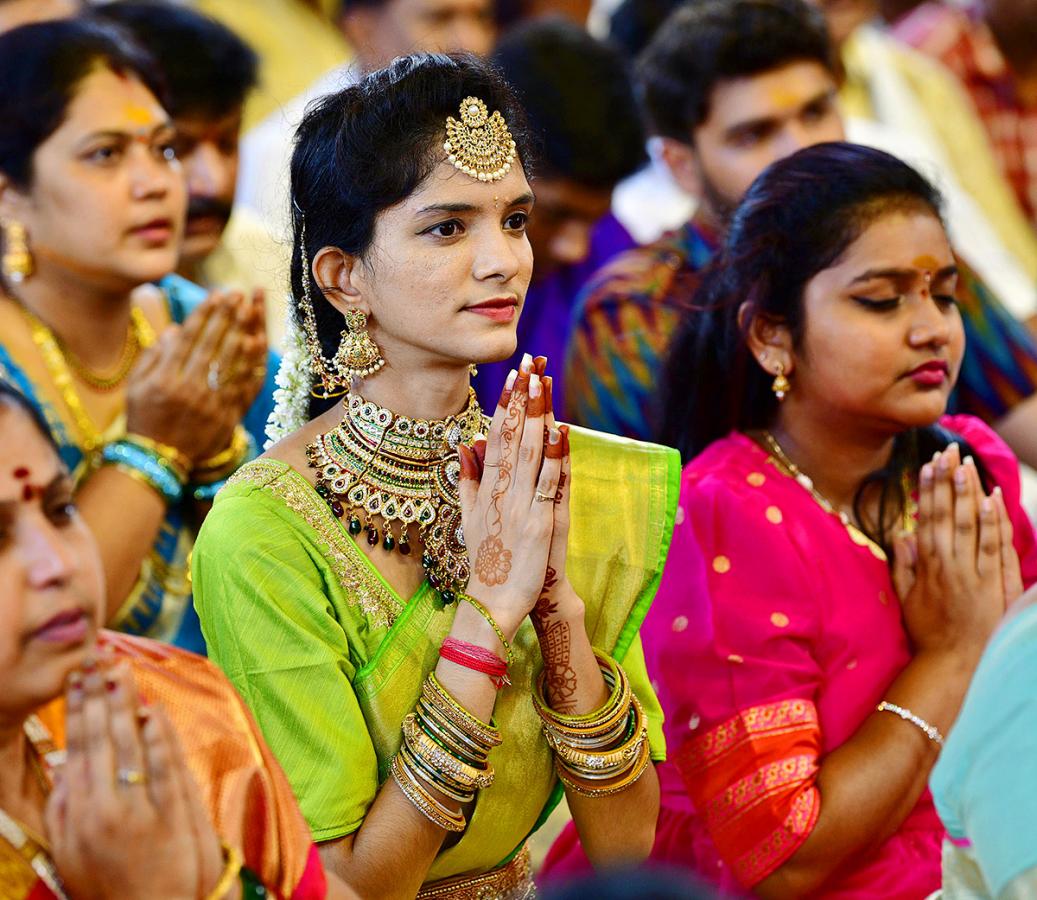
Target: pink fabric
pixel 766 598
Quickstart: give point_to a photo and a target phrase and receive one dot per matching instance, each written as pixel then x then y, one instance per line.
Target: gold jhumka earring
pixel 780 385
pixel 357 355
pixel 16 264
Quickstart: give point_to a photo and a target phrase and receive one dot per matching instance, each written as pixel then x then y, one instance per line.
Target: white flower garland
pixel 294 381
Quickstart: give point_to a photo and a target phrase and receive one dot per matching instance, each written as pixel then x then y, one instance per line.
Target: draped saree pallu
pixel 243 788
pixel 331 660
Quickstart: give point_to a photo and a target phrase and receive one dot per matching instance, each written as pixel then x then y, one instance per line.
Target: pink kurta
pixel 773 636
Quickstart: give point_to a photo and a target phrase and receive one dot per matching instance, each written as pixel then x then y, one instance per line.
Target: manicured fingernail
pixel 509 382
pixel 554 436
pixel 535 388
pixel 527 363
pixel 960 477
pixel 469 467
pixel 926 475
pixel 998 493
pixel 968 461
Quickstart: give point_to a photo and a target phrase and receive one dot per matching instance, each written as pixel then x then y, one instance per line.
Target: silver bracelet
pixel 931 731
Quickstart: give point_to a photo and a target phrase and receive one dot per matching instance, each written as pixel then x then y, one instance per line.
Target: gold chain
pixel 857 535
pixel 57 367
pixel 136 336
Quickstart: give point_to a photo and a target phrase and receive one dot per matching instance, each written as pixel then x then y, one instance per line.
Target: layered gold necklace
pixel 59 367
pixel 405 472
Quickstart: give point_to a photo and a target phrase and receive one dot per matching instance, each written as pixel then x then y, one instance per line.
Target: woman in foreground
pixel 386 563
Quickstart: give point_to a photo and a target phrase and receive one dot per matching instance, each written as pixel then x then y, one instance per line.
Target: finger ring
pixel 127 777
pixel 213 379
pixel 541 497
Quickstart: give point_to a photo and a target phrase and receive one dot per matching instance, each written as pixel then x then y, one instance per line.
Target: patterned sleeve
pixel 1000 365
pixel 619 337
pixel 732 637
pixel 269 625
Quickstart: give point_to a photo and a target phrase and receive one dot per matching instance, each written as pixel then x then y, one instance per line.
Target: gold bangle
pixel 468 776
pixel 475 728
pixel 438 780
pixel 485 613
pixel 603 760
pixel 605 788
pixel 422 800
pixel 229 458
pixel 176 460
pixel 231 871
pixel 449 735
pixel 590 727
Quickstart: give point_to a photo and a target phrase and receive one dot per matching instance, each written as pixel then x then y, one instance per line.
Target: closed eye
pixel 879 305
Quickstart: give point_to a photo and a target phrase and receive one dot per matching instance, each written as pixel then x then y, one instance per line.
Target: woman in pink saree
pixel 843 548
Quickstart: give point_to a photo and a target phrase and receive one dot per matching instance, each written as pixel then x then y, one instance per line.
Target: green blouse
pixel 330 658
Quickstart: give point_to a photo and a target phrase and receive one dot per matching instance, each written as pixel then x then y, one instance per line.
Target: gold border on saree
pixel 512 881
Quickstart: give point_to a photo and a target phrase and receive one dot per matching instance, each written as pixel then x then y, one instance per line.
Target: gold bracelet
pixel 422 800
pixel 176 460
pixel 449 735
pixel 215 467
pixel 438 696
pixel 605 788
pixel 485 613
pixel 231 871
pixel 594 726
pixel 592 762
pixel 424 746
pixel 441 782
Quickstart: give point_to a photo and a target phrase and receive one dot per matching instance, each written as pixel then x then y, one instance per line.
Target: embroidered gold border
pixel 346 559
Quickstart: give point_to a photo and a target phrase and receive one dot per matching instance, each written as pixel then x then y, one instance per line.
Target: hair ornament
pixel 480 145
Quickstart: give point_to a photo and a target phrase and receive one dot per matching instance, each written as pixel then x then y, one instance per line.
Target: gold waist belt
pixel 512 881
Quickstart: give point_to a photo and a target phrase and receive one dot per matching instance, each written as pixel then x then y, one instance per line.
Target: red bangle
pixel 477 658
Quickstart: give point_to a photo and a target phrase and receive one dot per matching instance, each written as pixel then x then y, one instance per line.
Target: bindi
pixel 21 473
pixel 139 115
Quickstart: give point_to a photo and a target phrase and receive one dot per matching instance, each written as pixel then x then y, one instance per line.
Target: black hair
pixel 368 147
pixel 578 95
pixel 704 43
pixel 209 69
pixel 635 22
pixel 11 396
pixel 41 66
pixel 796 220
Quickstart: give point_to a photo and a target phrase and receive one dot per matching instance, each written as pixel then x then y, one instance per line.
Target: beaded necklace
pixel 58 369
pixel 406 471
pixel 910 508
pixel 32 847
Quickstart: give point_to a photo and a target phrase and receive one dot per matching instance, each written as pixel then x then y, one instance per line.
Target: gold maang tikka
pixel 480 145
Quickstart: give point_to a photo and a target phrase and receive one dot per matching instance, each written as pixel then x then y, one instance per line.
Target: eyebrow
pixel 772 121
pixel 58 481
pixel 900 274
pixel 520 200
pixel 122 134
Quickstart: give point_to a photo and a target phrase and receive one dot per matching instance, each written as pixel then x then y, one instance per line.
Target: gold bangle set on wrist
pixel 447 748
pixel 224 463
pixel 175 460
pixel 602 752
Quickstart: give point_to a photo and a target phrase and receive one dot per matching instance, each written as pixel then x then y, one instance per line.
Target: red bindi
pixel 21 472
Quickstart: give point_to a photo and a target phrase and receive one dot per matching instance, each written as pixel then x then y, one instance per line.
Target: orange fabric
pixel 247 794
pixel 756 820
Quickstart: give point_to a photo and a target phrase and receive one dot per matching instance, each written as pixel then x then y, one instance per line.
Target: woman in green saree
pixel 436 630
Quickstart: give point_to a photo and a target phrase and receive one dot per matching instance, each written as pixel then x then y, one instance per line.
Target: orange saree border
pixel 752 780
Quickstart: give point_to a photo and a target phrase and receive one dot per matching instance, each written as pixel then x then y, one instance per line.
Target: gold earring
pixel 472 370
pixel 357 355
pixel 16 264
pixel 780 385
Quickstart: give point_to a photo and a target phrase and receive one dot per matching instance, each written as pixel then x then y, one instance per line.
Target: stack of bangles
pixel 445 747
pixel 169 472
pixel 602 752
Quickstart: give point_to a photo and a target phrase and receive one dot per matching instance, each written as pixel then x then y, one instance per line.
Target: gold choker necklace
pixel 406 471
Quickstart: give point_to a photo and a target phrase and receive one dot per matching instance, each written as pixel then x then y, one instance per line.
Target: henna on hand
pixel 493 559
